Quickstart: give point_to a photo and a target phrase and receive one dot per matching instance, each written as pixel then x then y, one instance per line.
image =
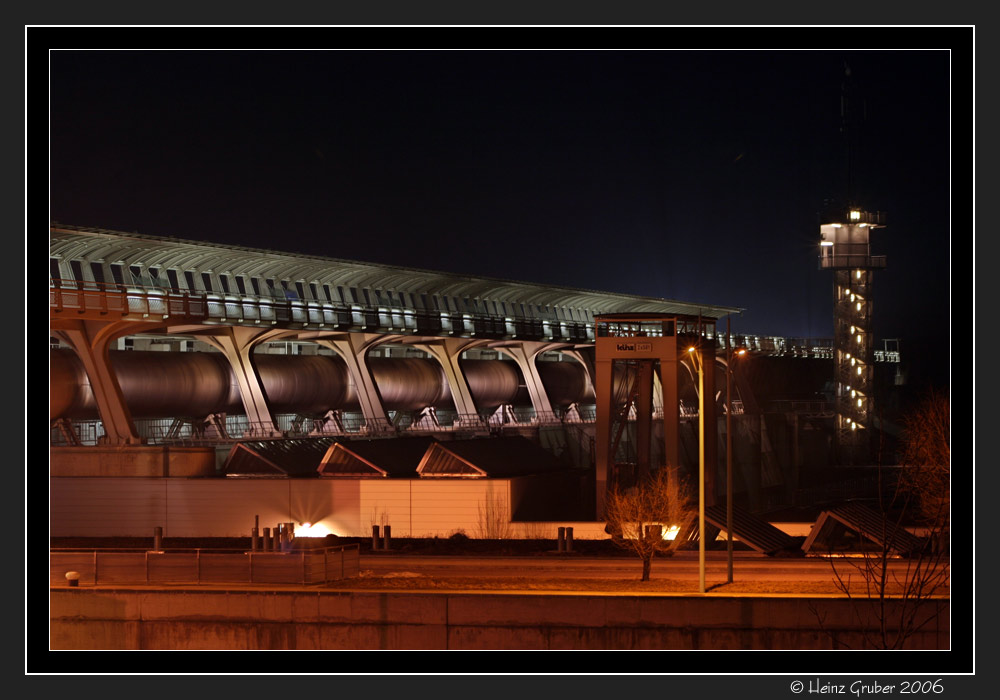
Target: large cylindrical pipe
pixel 410 384
pixel 494 382
pixel 170 384
pixel 304 383
pixel 565 383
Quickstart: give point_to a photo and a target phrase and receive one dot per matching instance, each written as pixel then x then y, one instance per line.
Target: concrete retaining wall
pixel 192 618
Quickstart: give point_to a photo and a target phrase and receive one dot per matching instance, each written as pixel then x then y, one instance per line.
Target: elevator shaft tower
pixel 845 248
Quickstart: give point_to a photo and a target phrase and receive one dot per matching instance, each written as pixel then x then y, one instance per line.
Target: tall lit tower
pixel 845 248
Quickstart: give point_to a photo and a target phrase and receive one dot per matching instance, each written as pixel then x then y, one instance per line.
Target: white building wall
pixel 132 507
pixel 224 507
pixel 386 502
pixel 444 506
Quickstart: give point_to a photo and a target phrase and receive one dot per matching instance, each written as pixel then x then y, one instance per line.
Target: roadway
pixel 681 566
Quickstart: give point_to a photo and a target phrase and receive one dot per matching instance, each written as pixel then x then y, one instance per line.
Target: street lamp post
pixel 729 451
pixel 729 455
pixel 701 467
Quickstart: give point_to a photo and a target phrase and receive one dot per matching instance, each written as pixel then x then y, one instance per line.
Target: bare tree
pixel 900 577
pixel 926 460
pixel 494 516
pixel 640 517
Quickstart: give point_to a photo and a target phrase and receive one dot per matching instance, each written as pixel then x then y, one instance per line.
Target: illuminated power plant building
pixel 168 357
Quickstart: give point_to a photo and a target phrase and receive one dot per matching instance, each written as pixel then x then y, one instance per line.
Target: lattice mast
pixel 845 248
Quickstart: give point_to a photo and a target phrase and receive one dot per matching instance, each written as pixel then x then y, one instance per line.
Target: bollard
pixel 569 539
pixel 73 578
pixel 561 542
pixel 267 539
pixel 388 537
pixel 157 539
pixel 375 538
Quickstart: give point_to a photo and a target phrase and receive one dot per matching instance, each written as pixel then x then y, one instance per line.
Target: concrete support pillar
pixel 237 344
pixel 524 355
pixel 91 340
pixel 602 438
pixel 585 356
pixel 447 352
pixel 657 393
pixel 670 399
pixel 353 348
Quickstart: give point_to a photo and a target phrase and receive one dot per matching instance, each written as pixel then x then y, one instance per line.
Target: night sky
pixel 695 174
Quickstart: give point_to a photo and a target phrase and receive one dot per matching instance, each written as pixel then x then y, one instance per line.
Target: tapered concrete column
pixel 237 344
pixel 670 400
pixel 91 340
pixel 353 348
pixel 524 355
pixel 657 393
pixel 585 356
pixel 447 351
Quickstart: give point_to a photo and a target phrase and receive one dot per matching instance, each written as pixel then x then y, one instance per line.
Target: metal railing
pixel 204 566
pixel 203 433
pixel 234 429
pixel 67 295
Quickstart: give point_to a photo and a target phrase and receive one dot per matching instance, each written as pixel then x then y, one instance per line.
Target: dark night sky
pixel 686 174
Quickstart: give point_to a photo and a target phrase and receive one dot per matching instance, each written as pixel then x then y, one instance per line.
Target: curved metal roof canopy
pixel 87 245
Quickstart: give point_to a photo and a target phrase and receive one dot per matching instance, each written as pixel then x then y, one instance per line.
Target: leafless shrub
pixel 639 517
pixel 926 459
pixel 494 517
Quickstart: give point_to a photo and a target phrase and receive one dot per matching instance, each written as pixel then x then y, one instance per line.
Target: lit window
pixel 855 215
pixel 859 370
pixel 859 339
pixel 858 307
pixel 859 403
pixel 857 275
